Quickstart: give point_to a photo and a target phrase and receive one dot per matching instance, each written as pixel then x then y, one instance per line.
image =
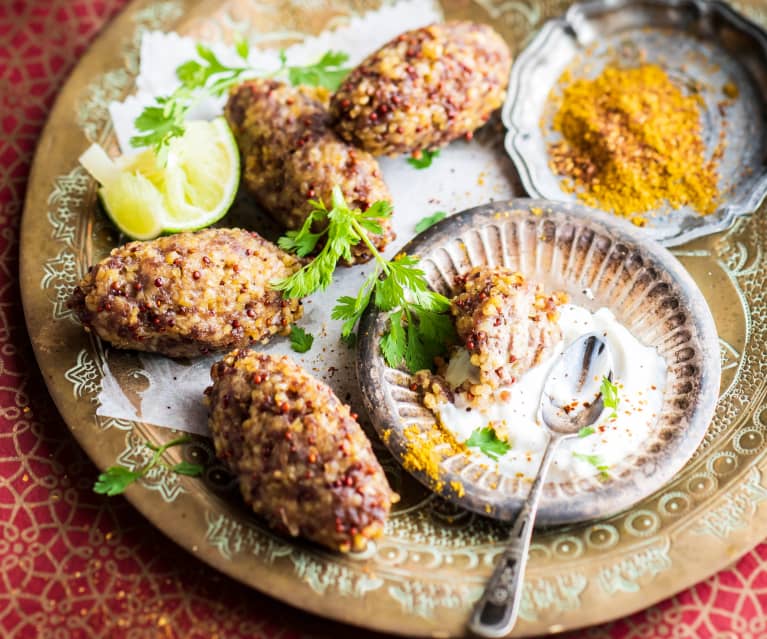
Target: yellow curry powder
pixel 632 143
pixel 425 451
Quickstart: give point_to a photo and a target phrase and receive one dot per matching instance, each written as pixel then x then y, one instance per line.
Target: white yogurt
pixel 639 372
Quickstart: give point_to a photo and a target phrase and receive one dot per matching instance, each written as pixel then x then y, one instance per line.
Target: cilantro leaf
pixel 488 443
pixel 326 72
pixel 429 221
pixel 115 480
pixel 586 431
pixel 394 342
pixel 300 340
pixel 610 395
pixel 418 328
pixel 423 162
pixel 188 468
pixel 242 47
pixel 594 460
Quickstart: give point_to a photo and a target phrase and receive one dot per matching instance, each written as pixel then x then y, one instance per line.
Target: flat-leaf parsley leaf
pixel 300 340
pixel 595 461
pixel 419 328
pixel 425 159
pixel 429 221
pixel 488 443
pixel 115 479
pixel 610 395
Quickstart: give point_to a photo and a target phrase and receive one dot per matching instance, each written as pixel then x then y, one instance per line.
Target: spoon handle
pixel 496 612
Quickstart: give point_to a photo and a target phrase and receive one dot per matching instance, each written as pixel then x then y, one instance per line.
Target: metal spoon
pixel 570 401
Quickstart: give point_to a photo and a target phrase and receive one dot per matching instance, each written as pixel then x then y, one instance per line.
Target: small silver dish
pixel 700 43
pixel 599 261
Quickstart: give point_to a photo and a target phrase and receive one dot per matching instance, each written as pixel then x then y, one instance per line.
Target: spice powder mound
pixel 632 143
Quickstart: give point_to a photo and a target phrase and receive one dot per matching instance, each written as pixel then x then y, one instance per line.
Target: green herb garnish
pixel 327 72
pixel 595 461
pixel 609 395
pixel 418 328
pixel 586 431
pixel 207 77
pixel 424 161
pixel 488 443
pixel 428 222
pixel 300 340
pixel 116 479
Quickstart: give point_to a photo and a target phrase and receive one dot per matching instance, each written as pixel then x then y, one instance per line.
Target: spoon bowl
pixel 572 395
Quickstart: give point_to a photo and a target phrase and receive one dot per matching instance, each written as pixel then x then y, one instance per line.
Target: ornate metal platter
pixel 421 577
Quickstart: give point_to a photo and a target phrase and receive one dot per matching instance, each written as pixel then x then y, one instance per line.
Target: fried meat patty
pixel 302 459
pixel 506 323
pixel 290 155
pixel 187 294
pixel 423 89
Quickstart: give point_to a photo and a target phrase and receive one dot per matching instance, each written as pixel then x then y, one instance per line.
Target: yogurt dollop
pixel 513 412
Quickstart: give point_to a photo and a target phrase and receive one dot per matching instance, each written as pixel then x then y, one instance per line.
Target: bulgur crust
pixel 302 460
pixel 290 155
pixel 187 294
pixel 507 324
pixel 423 89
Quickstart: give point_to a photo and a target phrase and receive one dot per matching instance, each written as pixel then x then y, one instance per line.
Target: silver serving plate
pixel 699 43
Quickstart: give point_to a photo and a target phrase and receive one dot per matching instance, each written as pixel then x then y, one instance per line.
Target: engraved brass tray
pixel 422 576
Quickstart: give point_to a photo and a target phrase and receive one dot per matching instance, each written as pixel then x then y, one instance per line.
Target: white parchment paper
pixel 464 175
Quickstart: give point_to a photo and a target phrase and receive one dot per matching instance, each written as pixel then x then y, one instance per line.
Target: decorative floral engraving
pixel 547 595
pixel 110 422
pixel 736 508
pixel 59 277
pixel 85 376
pixel 626 574
pixel 230 537
pixel 509 10
pixel 65 204
pixel 137 455
pixel 423 598
pixel 93 113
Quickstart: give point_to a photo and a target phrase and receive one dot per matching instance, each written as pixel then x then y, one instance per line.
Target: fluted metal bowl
pixel 569 247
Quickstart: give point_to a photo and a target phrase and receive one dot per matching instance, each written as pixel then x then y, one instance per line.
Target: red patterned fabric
pixel 74 564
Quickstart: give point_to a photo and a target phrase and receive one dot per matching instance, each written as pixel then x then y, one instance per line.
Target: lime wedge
pixel 194 189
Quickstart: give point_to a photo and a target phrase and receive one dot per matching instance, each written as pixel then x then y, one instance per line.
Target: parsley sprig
pixel 596 461
pixel 488 443
pixel 300 340
pixel 610 397
pixel 207 77
pixel 116 479
pixel 429 221
pixel 424 160
pixel 418 328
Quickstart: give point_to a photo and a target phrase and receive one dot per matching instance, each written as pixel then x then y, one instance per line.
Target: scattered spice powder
pixel 427 449
pixel 632 143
